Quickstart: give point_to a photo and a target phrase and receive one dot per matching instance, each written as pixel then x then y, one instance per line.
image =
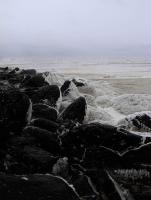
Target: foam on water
pixel 131 103
pixel 105 104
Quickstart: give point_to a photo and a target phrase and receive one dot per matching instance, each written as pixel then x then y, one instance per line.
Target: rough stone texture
pixel 14 106
pixel 44 111
pixel 75 111
pixel 35 187
pixel 51 93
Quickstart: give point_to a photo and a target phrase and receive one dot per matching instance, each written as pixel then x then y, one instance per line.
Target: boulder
pixel 46 139
pixel 95 135
pixel 37 160
pixel 45 124
pixel 85 187
pixel 138 156
pixel 31 72
pixel 35 187
pixel 14 109
pixel 34 81
pixel 65 88
pixel 44 111
pixel 75 111
pixel 102 156
pixel 78 83
pixel 140 121
pixel 50 93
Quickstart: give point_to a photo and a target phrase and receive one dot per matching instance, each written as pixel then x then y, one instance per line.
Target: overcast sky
pixel 75 27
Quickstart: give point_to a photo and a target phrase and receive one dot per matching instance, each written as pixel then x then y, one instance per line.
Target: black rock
pixel 35 187
pixel 95 134
pixel 44 111
pixel 14 107
pixel 50 93
pixel 75 111
pixel 46 139
pixel 78 83
pixel 45 124
pixel 65 88
pixel 102 156
pixel 142 120
pixel 31 72
pixel 138 156
pixel 29 91
pixel 85 187
pixel 35 81
pixel 38 160
pixel 4 131
pixel 21 141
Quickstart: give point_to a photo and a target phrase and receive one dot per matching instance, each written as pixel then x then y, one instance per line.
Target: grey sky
pixel 80 27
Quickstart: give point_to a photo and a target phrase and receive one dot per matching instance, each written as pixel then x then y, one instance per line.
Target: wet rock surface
pixel 43 151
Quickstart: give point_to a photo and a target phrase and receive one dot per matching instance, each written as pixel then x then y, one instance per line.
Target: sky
pixel 75 27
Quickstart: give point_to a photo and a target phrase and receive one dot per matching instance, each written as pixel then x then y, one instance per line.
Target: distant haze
pixel 75 28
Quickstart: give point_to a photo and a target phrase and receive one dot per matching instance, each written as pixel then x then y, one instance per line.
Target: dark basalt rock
pixel 34 81
pixel 45 124
pixel 51 93
pixel 13 71
pixel 65 88
pixel 31 72
pixel 105 185
pixel 138 156
pixel 95 134
pixel 29 91
pixel 78 83
pixel 21 141
pixel 135 181
pixel 102 156
pixel 38 160
pixel 44 111
pixel 4 131
pixel 35 187
pixel 75 111
pixel 14 107
pixel 85 187
pixel 142 120
pixel 46 139
pixel 61 168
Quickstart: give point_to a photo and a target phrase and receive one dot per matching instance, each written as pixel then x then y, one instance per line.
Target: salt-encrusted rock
pixel 45 124
pixel 34 81
pixel 75 111
pixel 15 109
pixel 50 93
pixel 46 139
pixel 35 187
pixel 44 111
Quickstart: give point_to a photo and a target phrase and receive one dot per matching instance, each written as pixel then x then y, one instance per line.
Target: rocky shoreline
pixel 47 152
